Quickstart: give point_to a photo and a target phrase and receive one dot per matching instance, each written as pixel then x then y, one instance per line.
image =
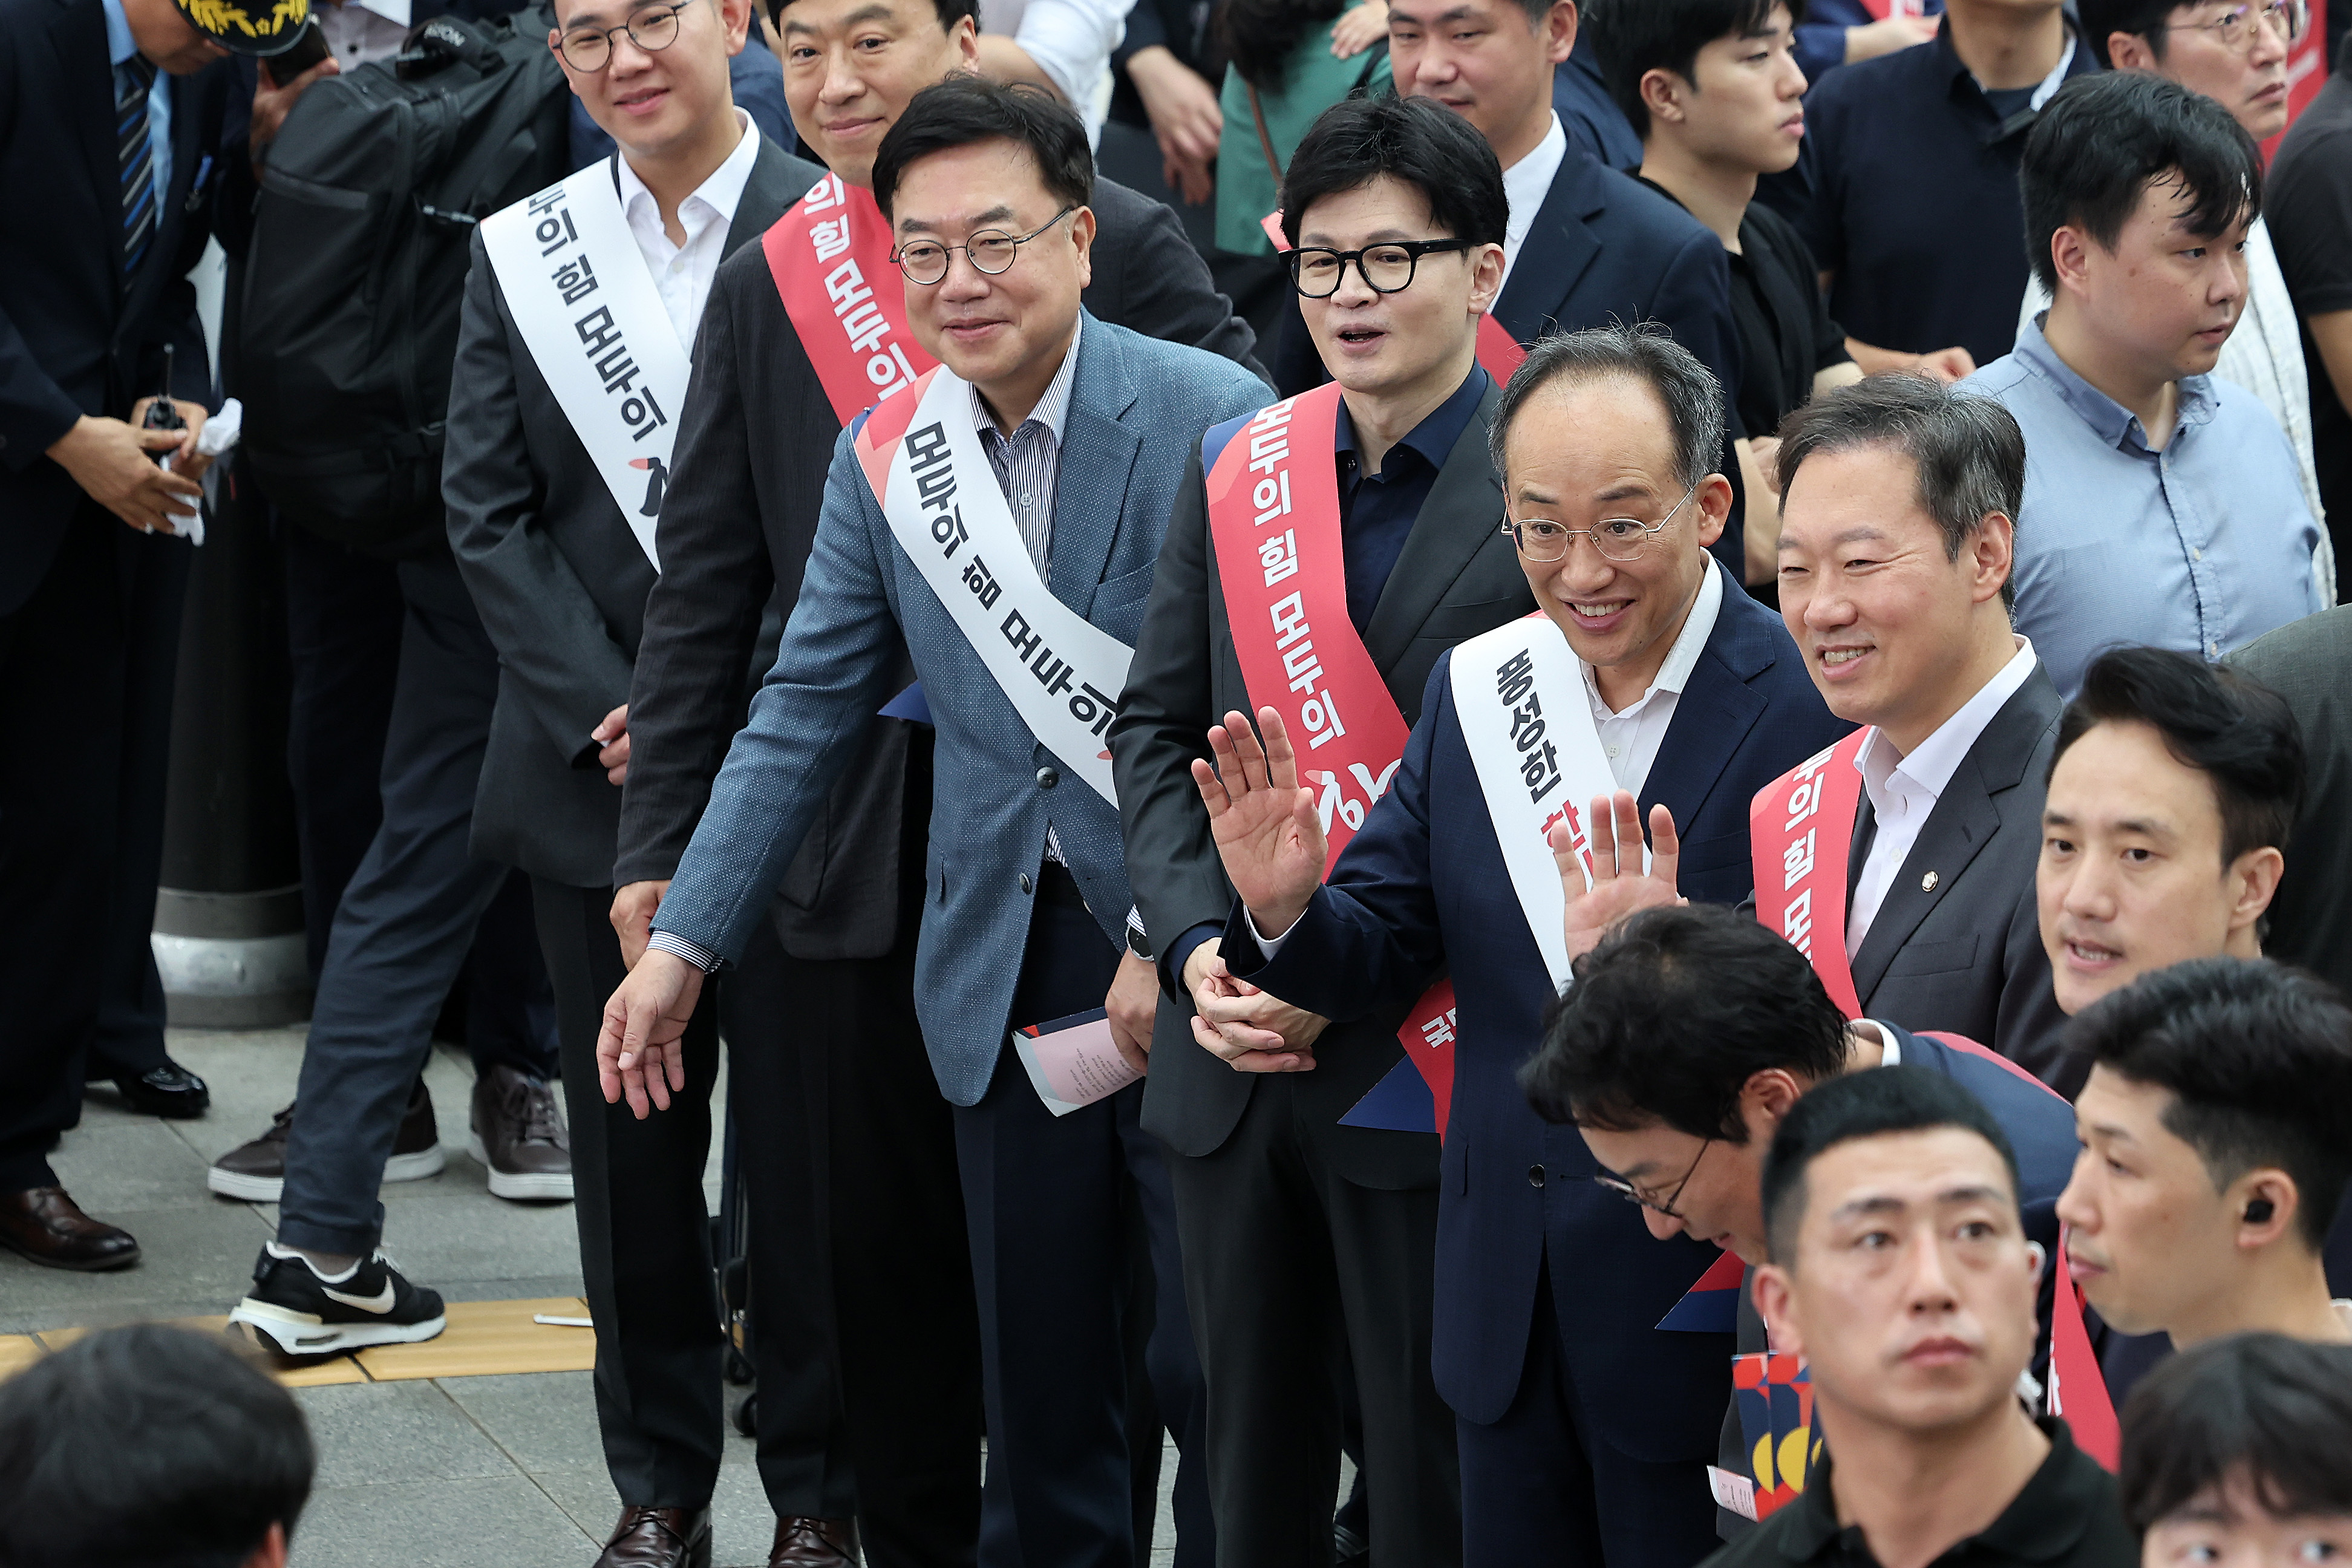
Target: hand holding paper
pixel 1268 833
pixel 1620 881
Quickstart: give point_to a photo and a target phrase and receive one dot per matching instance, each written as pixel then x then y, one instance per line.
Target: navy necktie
pixel 135 154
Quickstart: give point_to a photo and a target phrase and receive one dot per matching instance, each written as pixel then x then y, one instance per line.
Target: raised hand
pixel 1620 885
pixel 1267 832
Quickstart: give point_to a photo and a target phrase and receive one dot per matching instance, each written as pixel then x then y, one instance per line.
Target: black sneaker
pixel 255 1172
pixel 305 1315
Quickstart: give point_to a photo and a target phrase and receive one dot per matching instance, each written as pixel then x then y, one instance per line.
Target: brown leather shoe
pixel 659 1537
pixel 814 1543
pixel 46 1226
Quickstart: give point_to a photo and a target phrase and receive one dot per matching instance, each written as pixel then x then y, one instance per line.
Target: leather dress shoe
pixel 46 1226
pixel 659 1537
pixel 170 1090
pixel 814 1543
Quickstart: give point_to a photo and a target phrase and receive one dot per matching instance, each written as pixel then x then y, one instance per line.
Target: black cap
pixel 257 27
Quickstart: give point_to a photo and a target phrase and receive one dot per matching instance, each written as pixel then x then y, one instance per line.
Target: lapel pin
pixel 1927 883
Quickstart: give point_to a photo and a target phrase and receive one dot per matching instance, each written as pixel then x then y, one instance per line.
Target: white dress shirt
pixel 1632 738
pixel 363 32
pixel 1903 790
pixel 682 273
pixel 1525 185
pixel 1072 42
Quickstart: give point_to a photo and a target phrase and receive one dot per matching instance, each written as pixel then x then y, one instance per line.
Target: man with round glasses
pixel 1375 544
pixel 1584 1433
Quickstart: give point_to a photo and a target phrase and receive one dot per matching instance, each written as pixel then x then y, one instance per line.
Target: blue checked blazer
pixel 1136 406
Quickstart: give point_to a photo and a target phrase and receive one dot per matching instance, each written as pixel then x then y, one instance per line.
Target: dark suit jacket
pixel 1966 956
pixel 2308 662
pixel 555 572
pixel 1422 890
pixel 71 341
pixel 1456 577
pixel 754 438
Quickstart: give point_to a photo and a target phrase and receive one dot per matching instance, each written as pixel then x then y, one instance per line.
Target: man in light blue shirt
pixel 2161 506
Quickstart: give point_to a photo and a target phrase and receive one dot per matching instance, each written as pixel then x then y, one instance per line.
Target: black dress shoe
pixel 46 1226
pixel 168 1090
pixel 659 1537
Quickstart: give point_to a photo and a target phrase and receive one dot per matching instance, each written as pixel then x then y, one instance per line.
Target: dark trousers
pixel 1076 1268
pixel 62 655
pixel 857 1241
pixel 1540 1491
pixel 344 618
pixel 1301 1284
pixel 403 926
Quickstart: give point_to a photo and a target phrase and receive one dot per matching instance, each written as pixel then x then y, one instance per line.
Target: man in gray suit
pixel 2306 662
pixel 1919 833
pixel 1001 515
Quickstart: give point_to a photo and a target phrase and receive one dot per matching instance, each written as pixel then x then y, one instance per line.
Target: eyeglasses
pixel 1385 268
pixel 2235 28
pixel 589 49
pixel 1617 538
pixel 991 251
pixel 1634 1195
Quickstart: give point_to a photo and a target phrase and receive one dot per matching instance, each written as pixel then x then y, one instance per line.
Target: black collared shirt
pixel 1377 510
pixel 2067 1517
pixel 1914 200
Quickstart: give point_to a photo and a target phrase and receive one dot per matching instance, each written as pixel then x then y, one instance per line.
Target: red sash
pixel 1800 828
pixel 830 256
pixel 1274 519
pixel 1499 350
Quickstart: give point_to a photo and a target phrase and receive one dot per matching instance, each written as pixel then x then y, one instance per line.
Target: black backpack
pixel 356 274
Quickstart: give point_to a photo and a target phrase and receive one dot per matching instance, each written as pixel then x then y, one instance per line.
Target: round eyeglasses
pixel 589 49
pixel 1385 268
pixel 1617 538
pixel 1634 1195
pixel 2236 27
pixel 991 251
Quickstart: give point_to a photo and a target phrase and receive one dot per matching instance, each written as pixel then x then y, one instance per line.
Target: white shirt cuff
pixel 1267 946
pixel 694 952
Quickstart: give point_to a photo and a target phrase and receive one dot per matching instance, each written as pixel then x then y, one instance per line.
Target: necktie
pixel 136 157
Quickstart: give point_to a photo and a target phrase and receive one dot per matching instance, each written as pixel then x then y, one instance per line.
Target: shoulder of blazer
pixel 1747 639
pixel 2014 744
pixel 778 180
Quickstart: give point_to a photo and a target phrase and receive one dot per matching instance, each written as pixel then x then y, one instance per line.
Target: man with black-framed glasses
pixel 1584 1433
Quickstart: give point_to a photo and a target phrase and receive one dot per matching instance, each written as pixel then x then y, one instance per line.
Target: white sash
pixel 1063 674
pixel 1528 726
pixel 586 303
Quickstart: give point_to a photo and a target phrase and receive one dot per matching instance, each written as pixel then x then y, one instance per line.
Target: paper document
pixel 1072 1060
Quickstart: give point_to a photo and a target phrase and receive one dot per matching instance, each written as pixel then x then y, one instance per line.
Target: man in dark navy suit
pixel 1689 1034
pixel 1583 1434
pixel 111 111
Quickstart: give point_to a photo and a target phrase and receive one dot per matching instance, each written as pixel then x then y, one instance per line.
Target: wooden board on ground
pixel 17 1351
pixel 486 1337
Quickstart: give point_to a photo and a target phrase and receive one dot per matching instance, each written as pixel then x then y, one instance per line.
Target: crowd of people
pixel 1712 939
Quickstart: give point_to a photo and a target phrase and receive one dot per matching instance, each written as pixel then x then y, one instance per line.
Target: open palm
pixel 1267 833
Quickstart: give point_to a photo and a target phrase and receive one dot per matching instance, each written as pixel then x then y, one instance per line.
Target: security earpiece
pixel 2259 1211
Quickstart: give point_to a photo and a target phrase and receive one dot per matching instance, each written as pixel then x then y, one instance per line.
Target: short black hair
pixel 1671 1014
pixel 1635 37
pixel 2259 1061
pixel 1968 450
pixel 1862 1105
pixel 1413 139
pixel 951 13
pixel 2274 1412
pixel 147 1448
pixel 2235 731
pixel 2145 19
pixel 2102 139
pixel 966 109
pixel 1645 351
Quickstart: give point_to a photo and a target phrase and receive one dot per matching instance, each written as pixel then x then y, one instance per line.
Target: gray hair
pixel 1642 352
pixel 1967 449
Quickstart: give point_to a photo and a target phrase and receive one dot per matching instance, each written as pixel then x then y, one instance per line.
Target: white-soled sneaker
pixel 305 1313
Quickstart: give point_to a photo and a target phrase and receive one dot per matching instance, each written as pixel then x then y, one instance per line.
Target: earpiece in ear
pixel 2259 1210
pixel 2040 1254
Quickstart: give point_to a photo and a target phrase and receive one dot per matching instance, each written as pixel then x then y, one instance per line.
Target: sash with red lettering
pixel 1497 351
pixel 830 256
pixel 1274 514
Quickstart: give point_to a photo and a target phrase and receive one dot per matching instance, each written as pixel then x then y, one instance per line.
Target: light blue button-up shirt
pixel 120 46
pixel 2203 546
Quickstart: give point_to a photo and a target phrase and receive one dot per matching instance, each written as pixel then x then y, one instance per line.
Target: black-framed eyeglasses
pixel 589 49
pixel 991 251
pixel 1385 268
pixel 1617 538
pixel 1634 1195
pixel 2235 28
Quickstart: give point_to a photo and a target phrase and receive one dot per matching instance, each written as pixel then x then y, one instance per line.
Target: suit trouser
pixel 1077 1270
pixel 344 618
pixel 810 1047
pixel 403 926
pixel 1294 1273
pixel 61 663
pixel 1540 1489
